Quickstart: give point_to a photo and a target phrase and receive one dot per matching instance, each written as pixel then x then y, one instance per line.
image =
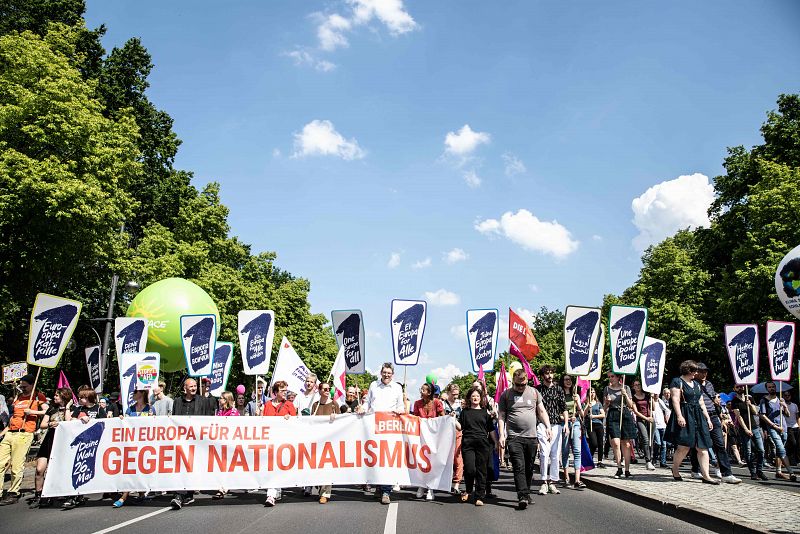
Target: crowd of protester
pixel 547 424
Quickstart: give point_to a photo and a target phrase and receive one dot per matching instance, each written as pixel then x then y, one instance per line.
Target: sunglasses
pixel 325 389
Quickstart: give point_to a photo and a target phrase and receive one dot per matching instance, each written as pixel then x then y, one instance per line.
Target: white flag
pixel 290 368
pixel 339 373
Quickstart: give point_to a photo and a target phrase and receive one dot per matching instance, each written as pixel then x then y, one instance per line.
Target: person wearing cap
pixel 26 409
pixel 724 470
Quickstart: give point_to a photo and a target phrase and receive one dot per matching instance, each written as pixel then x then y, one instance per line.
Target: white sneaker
pixel 730 479
pixel 455 490
pixel 718 473
pixel 543 489
pixel 420 493
pixel 396 487
pixel 697 476
pixel 553 489
pixel 650 466
pixel 429 495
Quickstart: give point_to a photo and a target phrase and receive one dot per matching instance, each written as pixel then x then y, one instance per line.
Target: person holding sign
pixel 773 411
pixel 615 400
pixel 60 411
pixel 690 424
pixel 746 414
pixel 26 409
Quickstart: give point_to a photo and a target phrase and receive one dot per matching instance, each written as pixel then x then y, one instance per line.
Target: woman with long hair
pixel 595 426
pixel 427 406
pixel 60 411
pixel 241 404
pixel 572 443
pixel 690 425
pixel 644 419
pixel 227 408
pixel 478 430
pixel 618 406
pixel 139 408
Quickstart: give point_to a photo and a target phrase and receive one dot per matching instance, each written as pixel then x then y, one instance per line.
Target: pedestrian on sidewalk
pixel 426 407
pixel 644 420
pixel 478 432
pixel 773 411
pixel 752 440
pixel 661 414
pixel 596 423
pixel 619 407
pixel 60 411
pixel 690 424
pixel 572 437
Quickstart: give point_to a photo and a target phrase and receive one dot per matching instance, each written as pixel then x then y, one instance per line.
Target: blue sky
pixel 476 154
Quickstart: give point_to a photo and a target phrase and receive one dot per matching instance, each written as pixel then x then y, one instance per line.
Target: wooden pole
pixel 780 400
pixel 621 410
pixel 33 391
pixel 746 398
pixel 652 430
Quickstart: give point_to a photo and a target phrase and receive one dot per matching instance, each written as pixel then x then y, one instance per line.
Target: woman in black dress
pixel 690 423
pixel 477 427
pixel 617 403
pixel 60 411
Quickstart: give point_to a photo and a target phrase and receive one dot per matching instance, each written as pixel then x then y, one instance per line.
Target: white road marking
pixel 132 521
pixel 391 520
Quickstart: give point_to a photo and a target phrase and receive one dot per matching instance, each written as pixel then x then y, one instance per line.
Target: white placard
pixel 483 328
pixel 256 332
pixel 130 334
pixel 223 357
pixel 581 330
pixel 408 326
pixel 348 327
pixel 628 325
pixel 53 319
pixel 742 343
pixel 654 356
pixel 199 338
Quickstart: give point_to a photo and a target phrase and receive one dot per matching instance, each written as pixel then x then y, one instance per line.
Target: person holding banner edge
pixel 690 423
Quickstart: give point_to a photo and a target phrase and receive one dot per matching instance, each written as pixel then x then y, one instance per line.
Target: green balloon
pixel 430 378
pixel 162 304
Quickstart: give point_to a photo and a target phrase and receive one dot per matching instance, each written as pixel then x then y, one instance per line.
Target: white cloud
pixel 422 264
pixel 305 58
pixel 526 314
pixel 513 164
pixel 671 206
pixel 596 237
pixel 442 297
pixel 456 255
pixel 472 179
pixel 331 32
pixel 390 12
pixel 276 152
pixel 465 141
pixel 444 375
pixel 320 138
pixel 459 331
pixel 425 358
pixel 526 230
pixel 394 260
pixel 324 66
pixel 373 334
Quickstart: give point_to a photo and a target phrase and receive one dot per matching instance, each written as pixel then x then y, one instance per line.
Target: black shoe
pixel 491 496
pixel 530 499
pixel 69 504
pixel 176 503
pixel 600 465
pixel 663 465
pixel 34 502
pixel 522 504
pixel 762 476
pixel 628 474
pixel 45 502
pixel 10 498
pixel 618 474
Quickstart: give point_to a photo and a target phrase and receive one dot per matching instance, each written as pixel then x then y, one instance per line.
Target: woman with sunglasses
pixel 427 406
pixel 325 406
pixel 59 412
pixel 690 425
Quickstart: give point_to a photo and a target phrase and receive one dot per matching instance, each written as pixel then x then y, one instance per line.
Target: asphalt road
pixel 349 511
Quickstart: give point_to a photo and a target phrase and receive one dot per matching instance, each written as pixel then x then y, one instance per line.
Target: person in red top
pixel 278 406
pixel 27 408
pixel 427 406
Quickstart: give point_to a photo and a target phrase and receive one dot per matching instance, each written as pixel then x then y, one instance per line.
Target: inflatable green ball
pixel 162 304
pixel 431 378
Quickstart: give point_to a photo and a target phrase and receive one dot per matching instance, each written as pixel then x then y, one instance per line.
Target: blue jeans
pixel 572 441
pixel 385 490
pixel 755 459
pixel 658 439
pixel 779 440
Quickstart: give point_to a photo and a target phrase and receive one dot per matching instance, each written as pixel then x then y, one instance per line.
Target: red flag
pixel 502 383
pixel 521 337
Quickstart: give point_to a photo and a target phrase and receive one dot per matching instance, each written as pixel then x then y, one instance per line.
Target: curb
pixel 696 516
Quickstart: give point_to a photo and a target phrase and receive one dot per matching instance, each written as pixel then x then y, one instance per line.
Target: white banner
pixel 780 349
pixel 581 330
pixel 199 338
pixel 130 334
pixel 223 357
pixel 596 369
pixel 94 366
pixel 742 343
pixel 654 356
pixel 129 371
pixel 171 453
pixel 628 327
pixel 348 326
pixel 483 328
pixel 256 332
pixel 290 368
pixel 53 319
pixel 408 327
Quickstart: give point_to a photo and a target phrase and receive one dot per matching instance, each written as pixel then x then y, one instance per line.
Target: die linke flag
pixel 483 327
pixel 199 338
pixel 94 366
pixel 651 365
pixel 348 326
pixel 130 334
pixel 742 344
pixel 523 342
pixel 256 331
pixel 581 331
pixel 223 357
pixel 53 319
pixel 408 326
pixel 780 349
pixel 130 363
pixel 628 325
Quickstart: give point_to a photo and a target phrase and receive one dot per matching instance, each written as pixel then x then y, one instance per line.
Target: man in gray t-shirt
pixel 520 408
pixel 161 403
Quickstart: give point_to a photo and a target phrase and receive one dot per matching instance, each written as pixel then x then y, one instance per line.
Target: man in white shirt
pixel 661 413
pixel 305 399
pixel 384 395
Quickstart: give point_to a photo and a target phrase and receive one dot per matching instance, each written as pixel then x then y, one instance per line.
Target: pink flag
pixel 525 365
pixel 64 383
pixel 339 374
pixel 502 383
pixel 482 377
pixel 583 385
